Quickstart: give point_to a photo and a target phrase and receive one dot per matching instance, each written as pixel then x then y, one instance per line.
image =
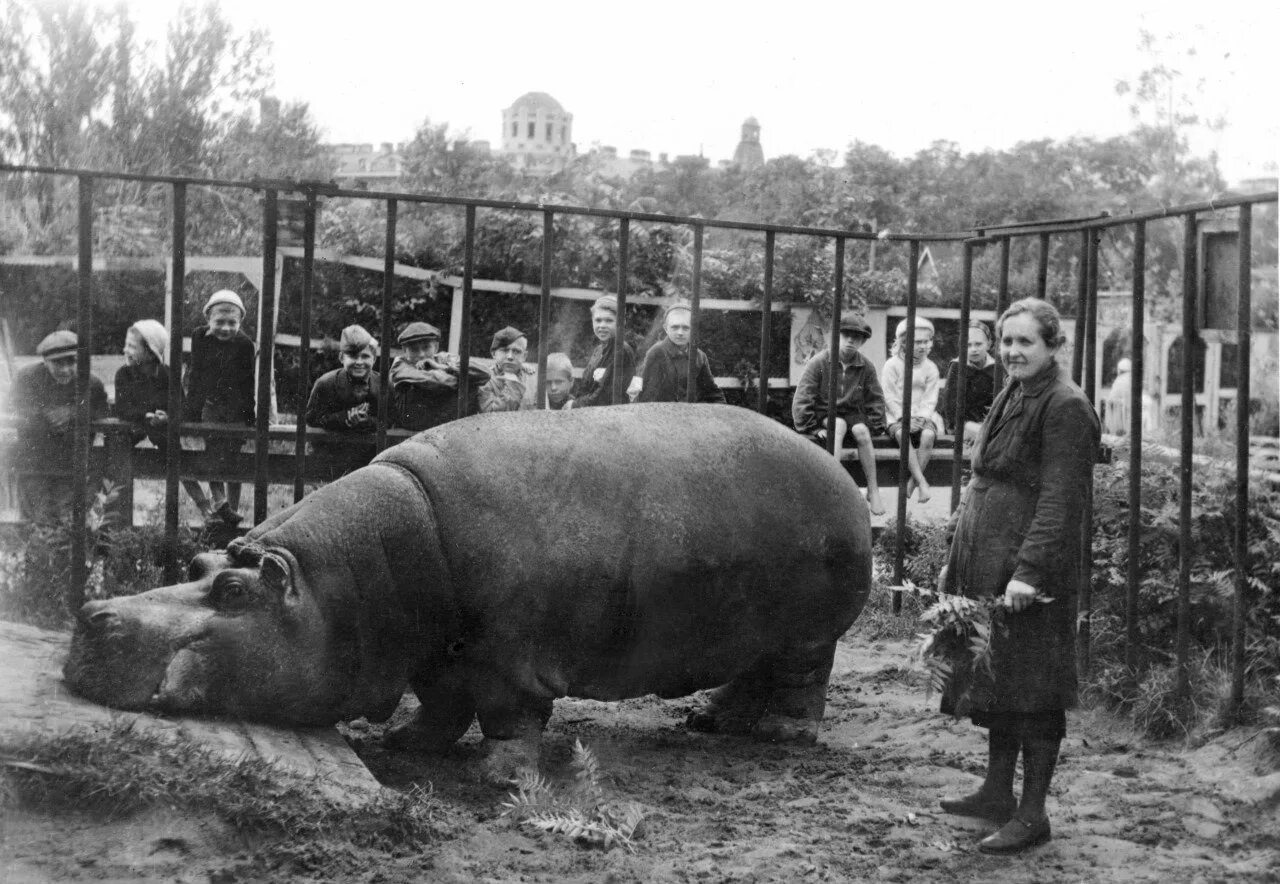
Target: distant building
pixel 360 166
pixel 749 154
pixel 537 133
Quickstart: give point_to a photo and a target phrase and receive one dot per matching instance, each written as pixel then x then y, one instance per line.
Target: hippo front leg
pixel 446 709
pixel 512 741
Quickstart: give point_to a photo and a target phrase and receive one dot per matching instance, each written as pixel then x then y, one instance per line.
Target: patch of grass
pixel 118 772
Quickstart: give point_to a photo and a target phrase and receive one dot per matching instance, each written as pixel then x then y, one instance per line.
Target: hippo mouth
pixel 132 670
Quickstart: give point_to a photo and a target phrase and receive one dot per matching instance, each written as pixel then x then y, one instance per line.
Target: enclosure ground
pixel 859 806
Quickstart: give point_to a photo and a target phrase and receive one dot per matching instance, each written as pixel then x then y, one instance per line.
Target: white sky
pixel 680 77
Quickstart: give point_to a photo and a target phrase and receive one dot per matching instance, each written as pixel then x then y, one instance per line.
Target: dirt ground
pixel 860 806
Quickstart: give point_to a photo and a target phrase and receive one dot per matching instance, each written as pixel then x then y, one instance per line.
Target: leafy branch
pixel 582 814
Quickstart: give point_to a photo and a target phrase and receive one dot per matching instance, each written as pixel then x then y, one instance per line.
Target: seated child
pixel 859 408
pixel 924 424
pixel 508 388
pixel 664 376
pixel 220 389
pixel 596 385
pixel 560 382
pixel 979 385
pixel 345 400
pixel 142 383
pixel 43 397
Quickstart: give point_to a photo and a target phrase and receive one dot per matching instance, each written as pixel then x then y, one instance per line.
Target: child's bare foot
pixel 875 503
pixel 924 493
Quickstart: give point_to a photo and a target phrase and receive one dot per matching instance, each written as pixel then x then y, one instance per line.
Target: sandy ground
pixel 860 806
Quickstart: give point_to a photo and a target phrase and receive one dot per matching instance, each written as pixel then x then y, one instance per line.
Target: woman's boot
pixel 1030 824
pixel 994 799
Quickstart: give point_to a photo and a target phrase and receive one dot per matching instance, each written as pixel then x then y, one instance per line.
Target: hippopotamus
pixel 499 562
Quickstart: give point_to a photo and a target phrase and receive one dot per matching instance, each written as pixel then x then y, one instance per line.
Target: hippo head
pixel 245 636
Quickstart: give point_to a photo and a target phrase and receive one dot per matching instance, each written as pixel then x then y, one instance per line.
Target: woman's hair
pixel 1045 315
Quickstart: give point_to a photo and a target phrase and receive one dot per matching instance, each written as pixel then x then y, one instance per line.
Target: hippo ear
pixel 275 573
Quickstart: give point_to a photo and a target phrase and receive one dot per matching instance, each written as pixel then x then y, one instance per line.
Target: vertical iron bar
pixel 957 395
pixel 83 432
pixel 1082 307
pixel 384 352
pixel 691 389
pixel 304 342
pixel 1244 324
pixel 464 337
pixel 834 378
pixel 1042 268
pixel 1091 321
pixel 544 307
pixel 620 384
pixel 173 431
pixel 1002 301
pixel 1189 340
pixel 766 323
pixel 266 356
pixel 899 546
pixel 1137 345
pixel 1084 593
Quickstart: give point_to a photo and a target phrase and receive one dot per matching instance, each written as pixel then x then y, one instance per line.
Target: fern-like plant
pixel 582 813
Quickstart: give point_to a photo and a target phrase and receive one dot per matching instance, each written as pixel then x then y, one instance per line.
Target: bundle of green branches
pixel 581 813
pixel 958 633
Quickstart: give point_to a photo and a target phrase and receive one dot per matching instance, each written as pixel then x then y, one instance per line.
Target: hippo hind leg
pixel 736 707
pixel 445 712
pixel 799 696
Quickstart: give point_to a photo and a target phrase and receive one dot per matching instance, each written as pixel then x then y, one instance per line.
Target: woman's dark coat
pixel 1021 518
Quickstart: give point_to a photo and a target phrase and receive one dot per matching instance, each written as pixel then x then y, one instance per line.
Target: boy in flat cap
pixel 424 381
pixel 596 384
pixel 43 396
pixel 219 389
pixel 345 400
pixel 508 388
pixel 664 376
pixel 859 403
pixel 560 383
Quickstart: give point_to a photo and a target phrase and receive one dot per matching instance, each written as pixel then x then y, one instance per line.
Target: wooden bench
pixel 889 465
pixel 115 457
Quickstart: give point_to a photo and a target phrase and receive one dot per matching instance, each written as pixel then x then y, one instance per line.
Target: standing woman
pixel 1016 536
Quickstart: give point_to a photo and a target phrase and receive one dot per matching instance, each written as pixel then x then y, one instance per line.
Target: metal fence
pixel 1086 230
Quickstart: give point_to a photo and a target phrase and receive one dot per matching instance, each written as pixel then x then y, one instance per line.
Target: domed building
pixel 537 131
pixel 749 154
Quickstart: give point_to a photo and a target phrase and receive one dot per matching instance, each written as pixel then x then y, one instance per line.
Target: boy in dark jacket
pixel 596 385
pixel 424 381
pixel 43 396
pixel 345 400
pixel 664 376
pixel 859 408
pixel 220 389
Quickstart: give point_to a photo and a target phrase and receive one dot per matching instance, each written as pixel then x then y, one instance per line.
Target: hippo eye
pixel 229 593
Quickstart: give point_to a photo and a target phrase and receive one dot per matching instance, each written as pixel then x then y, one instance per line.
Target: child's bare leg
pixel 196 493
pixel 867 456
pixel 925 454
pixel 842 429
pixel 917 474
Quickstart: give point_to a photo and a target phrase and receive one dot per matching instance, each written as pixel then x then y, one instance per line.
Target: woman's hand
pixel 1019 596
